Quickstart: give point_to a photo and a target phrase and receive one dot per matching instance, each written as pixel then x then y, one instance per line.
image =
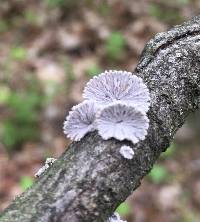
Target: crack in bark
pixel 181 37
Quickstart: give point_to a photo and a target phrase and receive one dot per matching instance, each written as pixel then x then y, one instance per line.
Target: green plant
pixel 22 122
pixel 115 46
pixel 3 26
pixel 183 2
pixel 169 15
pixel 62 3
pixel 93 70
pixel 70 76
pixel 31 17
pixel 169 152
pixel 158 174
pixel 4 94
pixel 123 209
pixel 26 182
pixel 55 3
pixel 104 9
pixel 18 53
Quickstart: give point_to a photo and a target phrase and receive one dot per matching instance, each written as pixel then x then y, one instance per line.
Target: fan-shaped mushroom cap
pixel 122 122
pixel 112 86
pixel 80 120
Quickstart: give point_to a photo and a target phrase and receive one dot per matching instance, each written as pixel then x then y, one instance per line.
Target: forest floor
pixel 49 49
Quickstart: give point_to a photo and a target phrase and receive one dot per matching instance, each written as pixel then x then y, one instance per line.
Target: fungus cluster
pixel 115 104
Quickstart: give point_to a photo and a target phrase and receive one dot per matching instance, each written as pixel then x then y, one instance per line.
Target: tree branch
pixel 91 178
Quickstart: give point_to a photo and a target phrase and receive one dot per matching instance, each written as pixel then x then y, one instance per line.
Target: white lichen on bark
pixel 48 163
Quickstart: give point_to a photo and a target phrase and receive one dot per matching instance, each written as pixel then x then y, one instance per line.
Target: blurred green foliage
pixel 31 17
pixel 22 125
pixel 104 9
pixel 174 2
pixel 189 215
pixel 123 209
pixel 158 174
pixel 3 26
pixel 93 70
pixel 170 151
pixel 55 3
pixel 70 76
pixel 4 94
pixel 115 46
pixel 18 53
pixel 26 182
pixel 169 15
pixel 62 3
pixel 183 2
pixel 21 122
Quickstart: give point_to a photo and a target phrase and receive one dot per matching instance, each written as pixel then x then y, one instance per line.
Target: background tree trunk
pixel 91 178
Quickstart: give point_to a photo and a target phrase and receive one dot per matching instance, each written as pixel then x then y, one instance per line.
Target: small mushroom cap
pixel 127 152
pixel 80 121
pixel 122 122
pixel 112 86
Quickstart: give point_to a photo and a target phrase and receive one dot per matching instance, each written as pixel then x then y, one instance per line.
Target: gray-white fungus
pixel 115 104
pixel 127 152
pixel 80 121
pixel 122 122
pixel 112 86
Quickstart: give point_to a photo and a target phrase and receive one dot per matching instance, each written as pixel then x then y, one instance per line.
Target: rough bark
pixel 91 178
